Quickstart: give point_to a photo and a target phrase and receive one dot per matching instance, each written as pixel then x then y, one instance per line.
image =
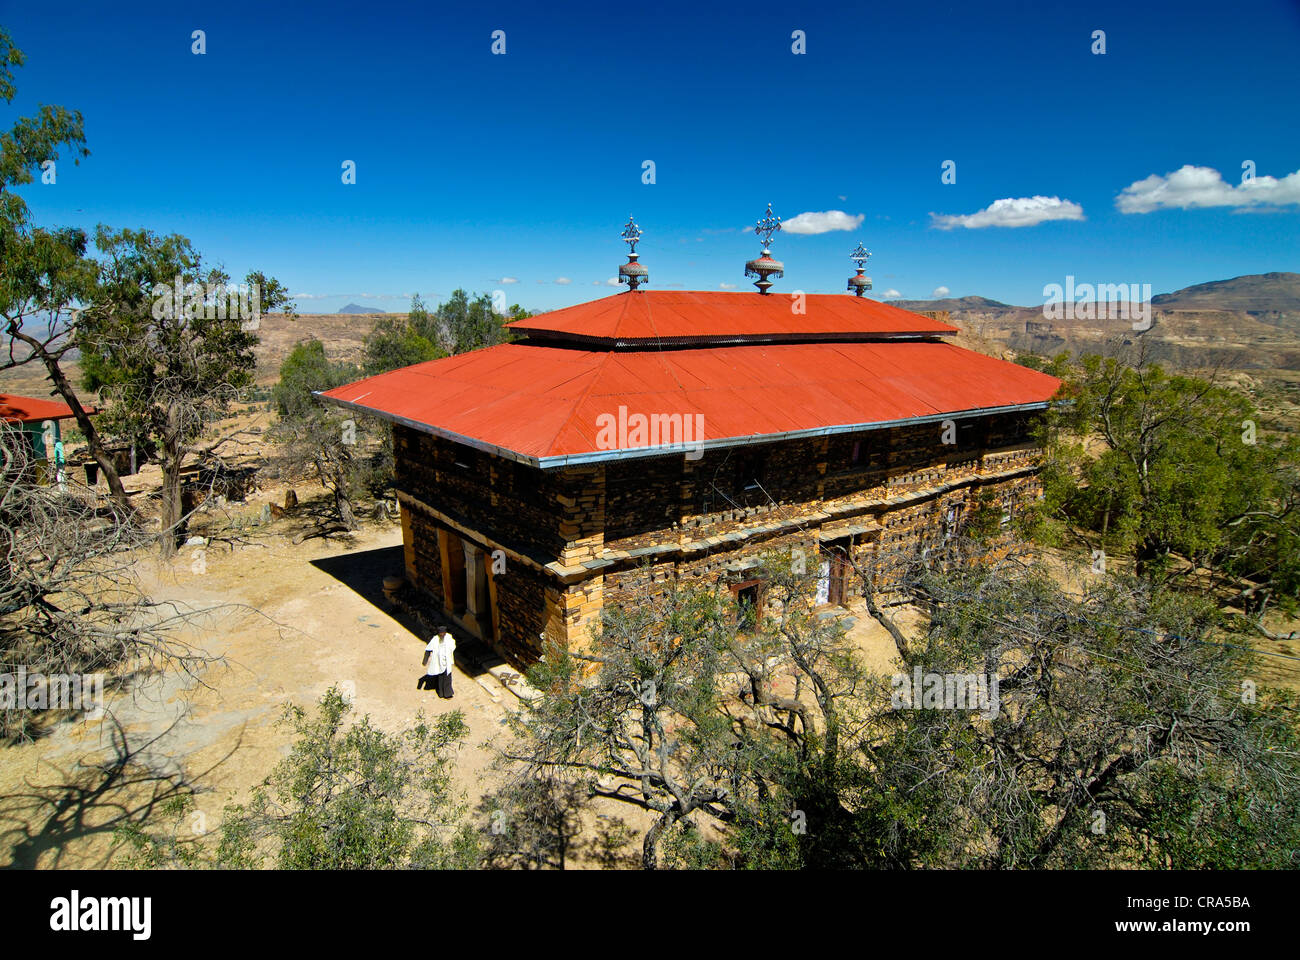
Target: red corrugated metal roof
pixel 16 409
pixel 687 315
pixel 541 404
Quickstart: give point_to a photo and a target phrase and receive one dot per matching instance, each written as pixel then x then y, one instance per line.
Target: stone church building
pixel 647 436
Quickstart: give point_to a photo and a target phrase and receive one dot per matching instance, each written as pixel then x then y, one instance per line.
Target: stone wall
pixel 509 503
pixel 892 531
pixel 523 612
pixel 578 538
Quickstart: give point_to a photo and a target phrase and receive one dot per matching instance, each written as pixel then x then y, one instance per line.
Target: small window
pixel 749 598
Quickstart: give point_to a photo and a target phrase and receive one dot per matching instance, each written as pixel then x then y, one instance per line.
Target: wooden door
pixel 840 572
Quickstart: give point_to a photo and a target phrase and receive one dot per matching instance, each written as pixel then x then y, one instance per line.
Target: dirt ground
pixel 290 622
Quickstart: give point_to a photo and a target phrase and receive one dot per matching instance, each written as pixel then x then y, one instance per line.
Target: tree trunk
pixel 344 506
pixel 172 531
pixel 650 846
pixel 879 615
pixel 172 450
pixel 87 427
pixel 1144 557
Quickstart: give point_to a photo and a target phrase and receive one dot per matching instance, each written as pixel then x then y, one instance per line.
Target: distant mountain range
pixel 1249 323
pixel 1256 294
pixel 954 304
pixel 357 308
pixel 1259 293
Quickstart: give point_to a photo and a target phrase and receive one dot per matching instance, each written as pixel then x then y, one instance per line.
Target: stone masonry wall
pixel 582 537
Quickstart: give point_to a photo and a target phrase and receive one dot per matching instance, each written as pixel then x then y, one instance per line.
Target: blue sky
pixel 474 167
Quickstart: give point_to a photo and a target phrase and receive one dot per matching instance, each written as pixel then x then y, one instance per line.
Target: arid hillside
pixel 1246 329
pixel 342 333
pixel 1249 323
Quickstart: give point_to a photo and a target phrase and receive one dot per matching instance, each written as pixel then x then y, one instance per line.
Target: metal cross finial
pixel 767 226
pixel 860 255
pixel 631 234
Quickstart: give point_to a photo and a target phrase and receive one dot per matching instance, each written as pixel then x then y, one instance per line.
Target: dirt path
pixel 293 620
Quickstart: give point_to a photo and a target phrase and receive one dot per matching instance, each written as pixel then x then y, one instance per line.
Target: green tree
pixel 330 444
pixel 422 321
pixel 681 707
pixel 1122 736
pixel 303 372
pixel 1185 479
pixel 469 322
pixel 28 145
pixel 1116 734
pixel 395 342
pixel 45 275
pixel 346 798
pixel 168 347
pixel 618 718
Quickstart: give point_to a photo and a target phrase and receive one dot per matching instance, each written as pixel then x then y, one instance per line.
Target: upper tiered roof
pixel 671 318
pixel 541 401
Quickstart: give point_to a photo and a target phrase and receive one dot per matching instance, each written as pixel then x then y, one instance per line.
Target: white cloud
pixel 940 292
pixel 1012 212
pixel 842 197
pixel 563 281
pixel 891 294
pixel 1189 187
pixel 726 286
pixel 509 280
pixel 612 282
pixel 824 222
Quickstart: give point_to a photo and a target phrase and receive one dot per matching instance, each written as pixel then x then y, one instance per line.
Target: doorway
pixel 839 573
pixel 467 594
pixel 749 600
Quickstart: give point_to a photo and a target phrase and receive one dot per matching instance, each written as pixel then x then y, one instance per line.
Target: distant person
pixel 446 660
pixel 431 663
pixel 59 462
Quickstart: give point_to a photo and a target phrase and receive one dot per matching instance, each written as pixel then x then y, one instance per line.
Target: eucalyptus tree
pixel 1178 472
pixel 45 274
pixel 316 439
pixel 349 796
pixel 167 343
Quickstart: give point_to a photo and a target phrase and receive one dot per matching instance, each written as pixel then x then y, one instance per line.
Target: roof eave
pixel 557 462
pixel 631 453
pixel 476 444
pixel 560 338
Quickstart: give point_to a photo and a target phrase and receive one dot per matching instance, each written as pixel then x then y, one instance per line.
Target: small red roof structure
pixel 752 367
pixel 16 409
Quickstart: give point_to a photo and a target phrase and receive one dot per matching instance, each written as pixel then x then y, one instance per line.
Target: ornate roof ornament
pixel 765 266
pixel 632 273
pixel 858 285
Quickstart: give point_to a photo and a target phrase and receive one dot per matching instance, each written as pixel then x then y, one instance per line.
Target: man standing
pixel 446 660
pixel 431 661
